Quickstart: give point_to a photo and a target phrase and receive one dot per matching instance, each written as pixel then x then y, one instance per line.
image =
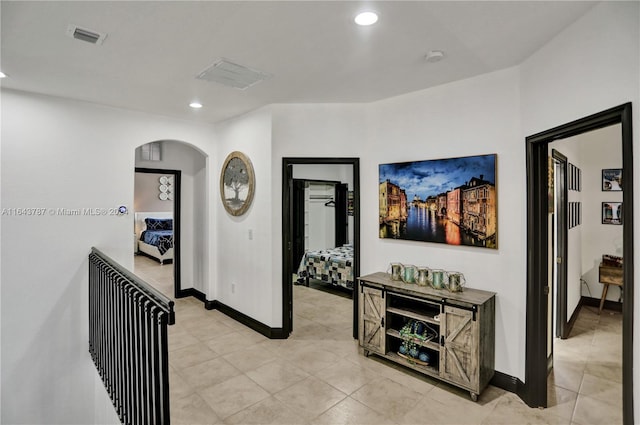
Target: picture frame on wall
pixel 612 213
pixel 570 175
pixel 579 213
pixel 237 183
pixel 574 214
pixel 574 178
pixel 451 201
pixel 612 180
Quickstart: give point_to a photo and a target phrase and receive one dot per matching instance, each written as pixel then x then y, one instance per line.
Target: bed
pixel 332 265
pixel 154 233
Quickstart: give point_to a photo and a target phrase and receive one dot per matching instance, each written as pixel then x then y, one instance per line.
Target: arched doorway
pixel 176 182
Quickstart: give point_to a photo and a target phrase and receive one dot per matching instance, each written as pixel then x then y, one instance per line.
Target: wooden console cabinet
pixel 462 349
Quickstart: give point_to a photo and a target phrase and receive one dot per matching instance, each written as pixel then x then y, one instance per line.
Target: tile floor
pixel 225 373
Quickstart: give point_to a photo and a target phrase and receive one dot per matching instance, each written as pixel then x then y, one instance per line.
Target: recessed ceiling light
pixel 366 18
pixel 434 56
pixel 196 105
pixel 2 74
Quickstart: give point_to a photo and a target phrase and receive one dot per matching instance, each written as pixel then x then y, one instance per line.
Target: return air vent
pixel 232 75
pixel 85 35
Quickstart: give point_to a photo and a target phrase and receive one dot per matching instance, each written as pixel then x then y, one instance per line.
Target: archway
pixel 176 171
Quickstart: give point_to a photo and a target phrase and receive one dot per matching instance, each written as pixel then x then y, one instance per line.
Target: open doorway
pixel 320 217
pixel 178 185
pixel 538 252
pixel 293 207
pixel 157 227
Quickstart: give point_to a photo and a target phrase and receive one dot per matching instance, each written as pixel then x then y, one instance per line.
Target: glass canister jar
pixel 423 276
pixel 409 273
pixel 395 271
pixel 456 282
pixel 438 279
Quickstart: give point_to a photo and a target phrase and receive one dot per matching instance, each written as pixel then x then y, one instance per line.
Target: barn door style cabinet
pixel 446 335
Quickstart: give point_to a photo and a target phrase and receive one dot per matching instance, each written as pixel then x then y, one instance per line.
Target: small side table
pixel 609 275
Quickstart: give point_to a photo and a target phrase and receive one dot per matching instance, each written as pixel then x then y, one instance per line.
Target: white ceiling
pixel 154 50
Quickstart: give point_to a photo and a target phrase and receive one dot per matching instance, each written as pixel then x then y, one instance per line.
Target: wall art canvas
pixel 451 201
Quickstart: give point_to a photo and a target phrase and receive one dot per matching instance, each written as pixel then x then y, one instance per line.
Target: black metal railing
pixel 128 322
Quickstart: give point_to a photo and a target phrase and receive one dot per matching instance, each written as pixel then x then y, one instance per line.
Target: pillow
pixel 159 223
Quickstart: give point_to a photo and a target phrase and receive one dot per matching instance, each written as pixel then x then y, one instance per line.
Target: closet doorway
pixel 534 389
pixel 319 216
pixel 338 195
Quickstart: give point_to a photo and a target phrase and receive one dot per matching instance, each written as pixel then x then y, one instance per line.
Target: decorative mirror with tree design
pixel 237 183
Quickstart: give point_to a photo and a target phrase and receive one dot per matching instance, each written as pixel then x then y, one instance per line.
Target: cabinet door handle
pixel 442 340
pixel 382 322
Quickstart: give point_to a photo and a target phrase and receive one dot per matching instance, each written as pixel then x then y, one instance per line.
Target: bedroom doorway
pixel 534 389
pixel 339 172
pixel 157 201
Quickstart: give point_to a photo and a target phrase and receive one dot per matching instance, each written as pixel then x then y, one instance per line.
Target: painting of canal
pixel 450 201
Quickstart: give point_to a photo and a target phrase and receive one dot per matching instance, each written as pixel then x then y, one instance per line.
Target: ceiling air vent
pixel 85 34
pixel 232 75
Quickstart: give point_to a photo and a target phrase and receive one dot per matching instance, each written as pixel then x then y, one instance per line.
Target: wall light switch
pixel 250 234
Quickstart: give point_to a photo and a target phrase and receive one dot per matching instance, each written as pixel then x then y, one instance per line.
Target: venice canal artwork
pixel 450 201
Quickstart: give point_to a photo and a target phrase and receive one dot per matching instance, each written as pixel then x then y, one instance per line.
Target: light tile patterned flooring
pixel 222 372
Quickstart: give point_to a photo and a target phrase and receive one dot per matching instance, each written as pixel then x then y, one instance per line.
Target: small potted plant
pixel 413 334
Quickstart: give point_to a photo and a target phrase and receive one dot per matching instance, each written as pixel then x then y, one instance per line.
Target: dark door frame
pixel 178 292
pixel 562 326
pixel 287 233
pixel 534 391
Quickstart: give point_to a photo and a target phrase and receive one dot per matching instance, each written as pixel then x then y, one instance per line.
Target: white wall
pixel 308 130
pixel 49 151
pixel 320 220
pixel 332 172
pixel 244 278
pixel 591 66
pixel 598 150
pixel 146 193
pixel 472 117
pixel 193 208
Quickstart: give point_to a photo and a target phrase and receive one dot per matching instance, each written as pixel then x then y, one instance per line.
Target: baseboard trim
pixel 269 332
pixel 574 316
pixel 595 302
pixel 193 292
pixel 508 383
